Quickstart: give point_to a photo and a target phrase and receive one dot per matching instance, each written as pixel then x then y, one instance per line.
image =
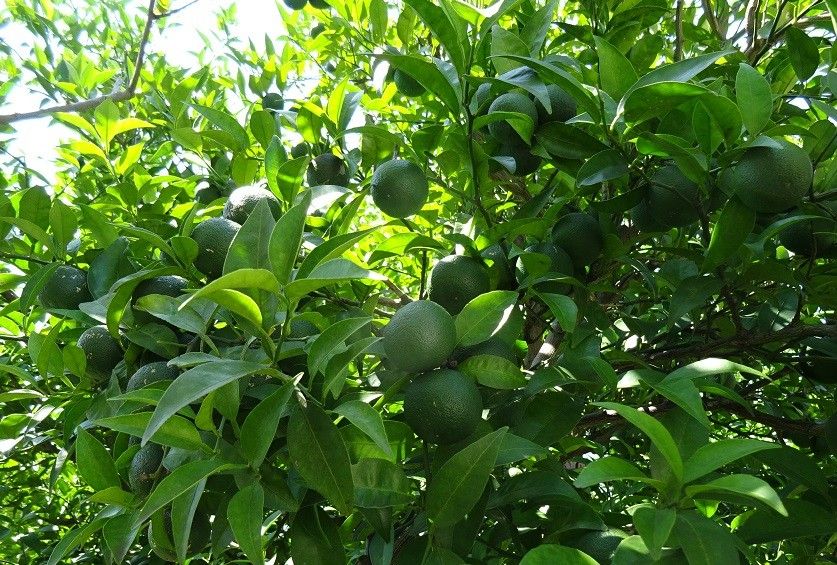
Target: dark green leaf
pixel 259 427
pixel 803 53
pixel 549 554
pixel 179 481
pixel 287 238
pixel 244 514
pixel 755 99
pixel 616 72
pixel 729 232
pixel 713 456
pixel 601 167
pixel 94 463
pixel 380 484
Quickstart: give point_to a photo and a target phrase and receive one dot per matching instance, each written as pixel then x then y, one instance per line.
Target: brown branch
pixel 678 26
pixel 709 12
pixel 118 96
pixel 751 24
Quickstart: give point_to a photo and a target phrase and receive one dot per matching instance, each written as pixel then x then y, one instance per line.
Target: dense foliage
pixel 530 282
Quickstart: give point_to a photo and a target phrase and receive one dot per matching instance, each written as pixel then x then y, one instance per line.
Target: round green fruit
pixel 600 545
pixel 456 280
pixel 770 179
pixel 810 238
pixel 300 150
pixel 327 169
pixel 295 4
pixel 65 289
pixel 244 200
pixel 144 469
pixel 167 285
pixel 213 237
pixel 442 406
pixel 272 101
pixel 500 270
pixel 580 236
pixel 562 106
pixel 319 4
pixel 419 337
pixel 399 188
pixel 525 161
pixel 151 373
pixel 101 351
pixel 511 102
pixel 406 84
pixel 672 198
pixel 559 263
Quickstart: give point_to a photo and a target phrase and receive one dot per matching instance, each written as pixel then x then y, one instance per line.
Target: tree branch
pixel 678 25
pixel 118 96
pixel 709 12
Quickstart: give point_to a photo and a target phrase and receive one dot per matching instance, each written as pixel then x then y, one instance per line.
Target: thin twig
pixel 678 25
pixel 394 288
pixel 709 12
pixel 118 96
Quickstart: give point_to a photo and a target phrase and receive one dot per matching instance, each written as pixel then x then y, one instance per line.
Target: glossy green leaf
pixel 286 239
pixel 259 428
pixel 754 97
pixel 654 525
pixel 484 316
pixel 179 481
pixel 703 541
pixel 175 432
pixel 611 469
pixel 729 233
pixel 549 554
pixel 563 308
pixel 365 418
pixel 244 515
pixel 715 455
pixel 743 485
pixel 802 52
pixel 94 463
pixel 604 166
pixel 325 274
pixel 380 484
pixel 616 72
pixel 235 135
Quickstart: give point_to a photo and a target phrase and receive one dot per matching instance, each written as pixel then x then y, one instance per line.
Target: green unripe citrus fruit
pixel 495 346
pixel 580 236
pixel 244 199
pixel 213 237
pixel 419 337
pixel 511 102
pixel 66 288
pixel 399 188
pixel 144 468
pixel 563 106
pixel 101 351
pixel 442 406
pixel 406 84
pixel 500 269
pixel 525 161
pixel 560 263
pixel 673 198
pixel 327 169
pixel 319 4
pixel 167 285
pixel 151 373
pixel 300 150
pixel 295 4
pixel 272 101
pixel 600 545
pixel 810 238
pixel 770 179
pixel 456 280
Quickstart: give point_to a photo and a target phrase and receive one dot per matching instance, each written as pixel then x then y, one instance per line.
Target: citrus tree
pixel 422 282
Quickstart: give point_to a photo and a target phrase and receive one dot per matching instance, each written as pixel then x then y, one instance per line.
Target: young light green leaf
pixel 259 428
pixel 709 367
pixel 484 316
pixel 73 539
pixel 493 371
pixel 242 278
pixel 235 135
pixel 287 238
pixel 249 247
pixel 563 308
pixel 194 384
pixel 754 97
pixel 459 483
pixel 715 455
pixel 244 515
pixel 549 554
pixel 366 419
pixel 317 451
pixel 742 485
pixel 326 274
pixel 380 484
pixel 94 463
pixel 655 431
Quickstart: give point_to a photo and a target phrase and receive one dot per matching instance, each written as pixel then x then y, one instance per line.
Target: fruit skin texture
pixel 600 545
pixel 811 238
pixel 101 351
pixel 213 237
pixel 500 266
pixel 525 161
pixel 406 84
pixel 419 337
pixel 151 373
pixel 580 236
pixel 144 468
pixel 243 201
pixel 65 289
pixel 442 406
pixel 272 101
pixel 456 280
pixel 399 188
pixel 511 102
pixel 563 106
pixel 300 150
pixel 769 179
pixel 327 169
pixel 495 346
pixel 672 198
pixel 560 262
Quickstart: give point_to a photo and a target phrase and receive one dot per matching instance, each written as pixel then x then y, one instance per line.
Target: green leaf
pixel 601 167
pixel 242 278
pixel 244 514
pixel 548 417
pixel 654 525
pixel 655 431
pixel 743 485
pixel 326 274
pixel 366 419
pixel 563 308
pixel 616 72
pixel 713 456
pixel 194 384
pixel 515 448
pixel 686 395
pixel 795 465
pixel 703 541
pixel 729 233
pixel 754 97
pixel 331 342
pixel 123 291
pixel 431 75
pixel 63 222
pixel 484 316
pixel 35 284
pixel 249 247
pixel 709 367
pixel 94 463
pixel 263 127
pixel 691 293
pixel 493 371
pixel 805 519
pixel 119 533
pixel 802 52
pixel 318 453
pixel 550 554
pixel 73 539
pixel 289 177
pixel 380 484
pixel 331 249
pixel 177 431
pixel 105 269
pixel 459 483
pixel 567 141
pixel 259 428
pixel 680 71
pixel 444 29
pixel 611 469
pixel 236 136
pixel 286 239
pixel 274 158
pixel 521 123
pixel 504 42
pixel 179 481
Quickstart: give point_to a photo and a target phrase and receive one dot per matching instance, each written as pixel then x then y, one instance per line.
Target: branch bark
pixel 678 25
pixel 709 12
pixel 118 96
